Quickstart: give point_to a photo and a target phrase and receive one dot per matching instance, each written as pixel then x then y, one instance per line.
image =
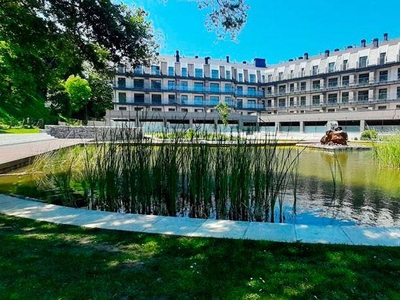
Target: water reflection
pixel 346 188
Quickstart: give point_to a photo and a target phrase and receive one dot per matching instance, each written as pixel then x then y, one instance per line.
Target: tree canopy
pixel 42 42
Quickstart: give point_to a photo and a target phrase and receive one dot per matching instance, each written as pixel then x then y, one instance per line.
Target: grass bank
pixel 47 261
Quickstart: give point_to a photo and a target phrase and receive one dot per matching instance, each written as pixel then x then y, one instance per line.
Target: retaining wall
pixel 103 133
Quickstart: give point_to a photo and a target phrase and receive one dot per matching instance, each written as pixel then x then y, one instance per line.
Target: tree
pixel 227 17
pixel 43 41
pixel 79 92
pixel 102 95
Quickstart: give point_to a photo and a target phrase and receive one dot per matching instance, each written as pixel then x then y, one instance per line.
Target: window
pixel 362 62
pixel 138 70
pixel 303 86
pixel 198 73
pixel 121 69
pixel 171 84
pixel 382 94
pixel 315 100
pixel 251 103
pixel 345 97
pixel 282 102
pixel 138 83
pixel 240 77
pixel 198 86
pixel 156 99
pixel 155 70
pixel 228 74
pixel 171 71
pixel 331 67
pixel 252 78
pixel 214 100
pixel 251 91
pixel 363 78
pixel 398 73
pixel 171 99
pixel 228 100
pixel 282 89
pixel 302 72
pixel 270 77
pixel 184 72
pixel 345 63
pixel 269 90
pixel 156 84
pixel 332 82
pixel 398 92
pixel 303 100
pixel 122 108
pixel 291 101
pixel 291 87
pixel 184 99
pixel 345 80
pixel 269 103
pixel 214 87
pixel 228 87
pixel 184 85
pixel 315 70
pixel 198 100
pixel 121 82
pixel 280 75
pixel 239 90
pixel 363 96
pixel 382 58
pixel 122 97
pixel 214 74
pixel 139 98
pixel 383 76
pixel 332 98
pixel 316 85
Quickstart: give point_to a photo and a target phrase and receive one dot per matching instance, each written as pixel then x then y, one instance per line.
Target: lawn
pixel 41 260
pixel 19 130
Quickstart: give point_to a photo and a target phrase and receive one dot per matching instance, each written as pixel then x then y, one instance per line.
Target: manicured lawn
pixel 47 261
pixel 19 130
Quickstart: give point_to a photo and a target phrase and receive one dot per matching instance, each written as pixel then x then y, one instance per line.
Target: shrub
pixel 369 135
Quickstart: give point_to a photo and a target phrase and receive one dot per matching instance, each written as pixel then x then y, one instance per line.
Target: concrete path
pixel 17 150
pixel 349 235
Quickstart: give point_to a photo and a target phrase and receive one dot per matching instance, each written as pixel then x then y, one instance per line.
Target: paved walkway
pixel 349 235
pixel 18 149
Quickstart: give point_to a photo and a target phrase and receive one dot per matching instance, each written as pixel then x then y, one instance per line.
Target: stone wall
pixel 103 133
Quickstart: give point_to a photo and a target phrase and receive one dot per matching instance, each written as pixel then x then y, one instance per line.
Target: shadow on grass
pixel 48 261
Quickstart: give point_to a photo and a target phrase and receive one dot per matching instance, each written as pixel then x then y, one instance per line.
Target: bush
pixel 369 135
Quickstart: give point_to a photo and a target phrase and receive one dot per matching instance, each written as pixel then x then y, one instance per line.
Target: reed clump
pixel 237 180
pixel 387 151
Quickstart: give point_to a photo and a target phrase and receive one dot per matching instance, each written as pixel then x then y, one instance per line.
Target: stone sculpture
pixel 335 135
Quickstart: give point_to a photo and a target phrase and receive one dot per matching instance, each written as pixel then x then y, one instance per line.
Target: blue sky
pixel 275 30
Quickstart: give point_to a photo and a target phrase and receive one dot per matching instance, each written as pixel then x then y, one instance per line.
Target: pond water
pixel 345 187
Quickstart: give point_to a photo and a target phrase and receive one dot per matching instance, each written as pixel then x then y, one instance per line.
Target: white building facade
pixel 359 86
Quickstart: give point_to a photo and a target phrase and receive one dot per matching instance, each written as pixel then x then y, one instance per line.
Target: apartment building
pixel 358 86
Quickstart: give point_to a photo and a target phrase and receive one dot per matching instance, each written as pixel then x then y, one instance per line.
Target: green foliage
pixel 387 152
pixel 369 135
pixel 78 263
pixel 79 92
pixel 223 110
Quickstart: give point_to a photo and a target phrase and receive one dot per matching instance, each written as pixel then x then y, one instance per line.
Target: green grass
pixel 46 261
pixel 19 130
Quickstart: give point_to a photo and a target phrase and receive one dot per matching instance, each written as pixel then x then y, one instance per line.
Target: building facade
pixel 358 86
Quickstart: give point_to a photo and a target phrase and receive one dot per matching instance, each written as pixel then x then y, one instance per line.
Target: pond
pixel 344 187
pixel 366 194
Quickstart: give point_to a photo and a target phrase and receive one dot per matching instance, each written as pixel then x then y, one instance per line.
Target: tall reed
pixel 227 178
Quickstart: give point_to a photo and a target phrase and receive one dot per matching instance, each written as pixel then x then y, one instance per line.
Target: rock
pixel 333 137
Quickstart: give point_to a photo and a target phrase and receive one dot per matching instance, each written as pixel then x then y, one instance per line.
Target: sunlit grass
pixel 48 261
